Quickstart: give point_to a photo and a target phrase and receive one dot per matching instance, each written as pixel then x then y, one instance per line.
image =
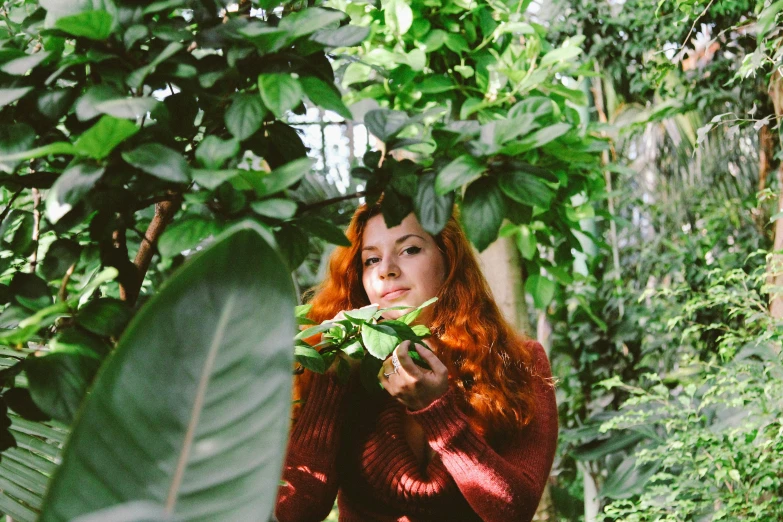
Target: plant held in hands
pixel 360 332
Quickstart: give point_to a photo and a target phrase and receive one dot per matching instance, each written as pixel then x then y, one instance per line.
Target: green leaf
pixel 309 358
pixel 159 421
pixel 363 314
pixel 95 25
pixel 14 138
pixel 245 116
pixel 99 140
pixel 560 54
pixel 345 36
pixel 482 212
pixel 293 244
pixel 319 227
pixel 58 382
pixel 30 291
pixel 186 235
pixel 526 188
pixel 286 175
pixel 628 479
pixel 314 330
pixel 324 95
pixel 78 342
pixel 127 107
pixel 459 172
pixel 213 152
pixel 105 316
pixel 60 256
pixel 279 92
pixel 20 401
pixel 59 147
pixel 307 21
pixel 8 96
pixel 596 449
pixel 542 289
pixel 159 161
pixel 526 242
pixel 21 66
pixel 379 340
pixel 212 179
pixel 70 188
pixel 432 209
pixel 86 106
pixel 536 139
pixel 275 208
pixel 385 124
pixel 398 16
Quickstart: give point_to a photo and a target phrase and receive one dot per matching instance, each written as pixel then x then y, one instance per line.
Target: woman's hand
pixel 413 386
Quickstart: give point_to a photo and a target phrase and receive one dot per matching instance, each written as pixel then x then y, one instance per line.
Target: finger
pixel 435 364
pixel 408 366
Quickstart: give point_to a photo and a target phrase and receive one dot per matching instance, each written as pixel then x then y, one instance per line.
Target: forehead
pixel 377 233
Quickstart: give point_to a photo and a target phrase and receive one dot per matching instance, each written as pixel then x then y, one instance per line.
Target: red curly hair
pixel 488 362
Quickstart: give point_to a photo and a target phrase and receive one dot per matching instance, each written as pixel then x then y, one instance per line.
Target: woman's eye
pixel 412 250
pixel 370 261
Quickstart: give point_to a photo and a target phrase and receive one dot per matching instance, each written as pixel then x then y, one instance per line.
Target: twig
pixel 144 203
pixel 693 26
pixel 36 229
pixel 62 295
pixel 327 202
pixel 164 212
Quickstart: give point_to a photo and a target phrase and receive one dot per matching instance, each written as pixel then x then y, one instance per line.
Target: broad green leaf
pixel 127 107
pixel 60 147
pixel 162 5
pixel 526 242
pixel 105 316
pixel 560 54
pixel 459 172
pixel 95 25
pixel 279 92
pixel 14 138
pixel 526 188
pixel 432 209
pixel 363 314
pixel 58 382
pixel 245 116
pixel 324 95
pixel 86 106
pixel 212 179
pixel 542 289
pixel 379 340
pixel 309 358
pixel 293 244
pixel 159 161
pixel 345 36
pixel 597 449
pixel 385 124
pixel 69 189
pixel 78 342
pixel 628 479
pixel 8 96
pixel 20 401
pixel 30 291
pixel 213 152
pixel 398 16
pixel 325 230
pixel 309 20
pixel 482 212
pixel 60 256
pixel 314 330
pixel 286 175
pixel 186 235
pixel 99 140
pixel 216 326
pixel 276 208
pixel 20 66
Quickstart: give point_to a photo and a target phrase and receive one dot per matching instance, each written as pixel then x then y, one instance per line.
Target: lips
pixel 394 293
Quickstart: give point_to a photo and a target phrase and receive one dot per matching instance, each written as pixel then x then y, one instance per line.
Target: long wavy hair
pixel 488 362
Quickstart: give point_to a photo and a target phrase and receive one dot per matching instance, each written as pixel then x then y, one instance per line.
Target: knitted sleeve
pixel 505 485
pixel 310 470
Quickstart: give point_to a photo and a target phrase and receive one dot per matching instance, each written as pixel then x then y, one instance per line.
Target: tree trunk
pixel 775 263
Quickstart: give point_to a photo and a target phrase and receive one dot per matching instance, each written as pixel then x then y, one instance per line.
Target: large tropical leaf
pixel 191 412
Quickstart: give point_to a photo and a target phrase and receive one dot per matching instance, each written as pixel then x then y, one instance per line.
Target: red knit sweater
pixel 357 445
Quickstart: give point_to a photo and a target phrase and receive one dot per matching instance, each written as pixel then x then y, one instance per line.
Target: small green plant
pixel 719 445
pixel 359 334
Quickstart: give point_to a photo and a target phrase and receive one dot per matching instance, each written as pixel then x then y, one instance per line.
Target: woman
pixel 471 439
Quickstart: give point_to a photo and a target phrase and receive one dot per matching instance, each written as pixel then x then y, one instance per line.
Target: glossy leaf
pixel 99 140
pixel 178 439
pixel 279 92
pixel 542 289
pixel 159 161
pixel 459 172
pixel 95 25
pixel 69 189
pixel 245 115
pixel 432 209
pixel 482 212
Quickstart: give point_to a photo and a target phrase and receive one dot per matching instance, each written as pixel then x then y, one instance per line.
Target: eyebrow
pixel 397 242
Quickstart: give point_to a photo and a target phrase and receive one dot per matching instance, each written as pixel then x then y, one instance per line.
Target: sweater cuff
pixel 445 425
pixel 321 414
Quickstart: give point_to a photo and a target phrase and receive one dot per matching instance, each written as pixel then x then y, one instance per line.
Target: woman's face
pixel 401 266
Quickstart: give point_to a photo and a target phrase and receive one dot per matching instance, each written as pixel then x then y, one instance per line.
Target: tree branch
pixel 164 212
pixel 36 229
pixel 7 208
pixel 327 202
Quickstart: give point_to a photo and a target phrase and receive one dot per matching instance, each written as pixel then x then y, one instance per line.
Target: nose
pixel 389 269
